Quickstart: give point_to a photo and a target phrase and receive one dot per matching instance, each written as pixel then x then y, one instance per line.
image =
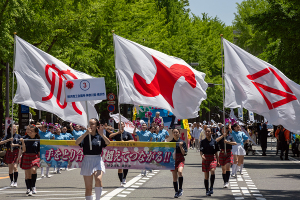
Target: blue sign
pixel 24 109
pixel 111 108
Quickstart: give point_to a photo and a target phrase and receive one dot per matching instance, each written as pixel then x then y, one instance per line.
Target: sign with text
pixel 85 89
pixel 117 155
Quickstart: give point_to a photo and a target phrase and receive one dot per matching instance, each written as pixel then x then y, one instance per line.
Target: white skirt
pixel 238 150
pixel 90 164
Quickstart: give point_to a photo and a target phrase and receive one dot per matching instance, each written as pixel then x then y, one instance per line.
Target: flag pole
pixel 223 91
pixel 87 117
pixel 12 88
pixel 117 83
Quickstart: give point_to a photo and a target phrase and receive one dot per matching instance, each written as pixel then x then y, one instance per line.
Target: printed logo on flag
pixel 162 85
pixel 61 74
pixel 288 93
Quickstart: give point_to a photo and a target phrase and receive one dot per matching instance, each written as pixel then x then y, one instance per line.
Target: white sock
pixel 47 170
pixel 241 167
pixel 42 171
pixel 88 197
pixel 98 191
pixel 234 166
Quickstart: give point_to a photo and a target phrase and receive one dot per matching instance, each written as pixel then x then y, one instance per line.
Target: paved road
pixel 265 177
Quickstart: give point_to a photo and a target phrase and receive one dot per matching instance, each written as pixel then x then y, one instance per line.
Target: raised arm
pixel 100 131
pixel 79 140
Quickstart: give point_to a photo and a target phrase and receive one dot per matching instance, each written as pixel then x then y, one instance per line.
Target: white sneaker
pixel 12 184
pixel 124 181
pixel 226 185
pixel 241 173
pixel 48 176
pixel 27 191
pixel 15 184
pixel 58 172
pixel 42 176
pixel 121 184
pixel 29 194
pixel 233 175
pixel 34 190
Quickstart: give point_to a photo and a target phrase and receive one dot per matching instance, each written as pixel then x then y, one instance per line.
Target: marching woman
pixel 226 159
pixel 30 161
pixel 92 163
pixel 181 151
pixel 237 150
pixel 126 136
pixel 12 157
pixel 210 160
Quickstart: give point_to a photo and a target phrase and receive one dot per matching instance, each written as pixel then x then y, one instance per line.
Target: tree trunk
pixel 1 99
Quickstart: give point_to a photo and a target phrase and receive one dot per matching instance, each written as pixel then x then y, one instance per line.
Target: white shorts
pixel 238 150
pixel 90 164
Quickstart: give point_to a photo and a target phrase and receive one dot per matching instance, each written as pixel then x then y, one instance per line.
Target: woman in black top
pixel 12 156
pixel 181 151
pixel 92 164
pixel 226 159
pixel 30 161
pixel 126 136
pixel 210 160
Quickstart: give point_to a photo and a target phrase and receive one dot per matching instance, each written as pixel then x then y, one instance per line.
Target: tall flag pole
pixel 117 84
pixel 223 90
pixel 12 88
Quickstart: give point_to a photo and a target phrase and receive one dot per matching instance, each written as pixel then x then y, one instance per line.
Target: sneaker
pixel 34 190
pixel 208 193
pixel 180 192
pixel 30 193
pixel 241 172
pixel 176 195
pixel 12 184
pixel 226 185
pixel 58 172
pixel 27 191
pixel 121 184
pixel 42 176
pixel 233 175
pixel 124 181
pixel 15 184
pixel 211 191
pixel 48 176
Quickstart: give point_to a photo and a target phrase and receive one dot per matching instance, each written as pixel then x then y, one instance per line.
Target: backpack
pixel 281 136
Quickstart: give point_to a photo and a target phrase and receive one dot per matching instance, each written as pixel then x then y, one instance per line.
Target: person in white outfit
pixel 196 132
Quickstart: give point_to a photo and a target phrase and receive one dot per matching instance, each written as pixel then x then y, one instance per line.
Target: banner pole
pixel 223 91
pixel 12 88
pixel 117 83
pixel 87 117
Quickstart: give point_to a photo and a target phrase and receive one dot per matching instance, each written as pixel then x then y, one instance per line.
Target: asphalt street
pixel 264 177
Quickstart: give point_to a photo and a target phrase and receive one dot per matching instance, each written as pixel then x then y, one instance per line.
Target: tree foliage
pixel 79 32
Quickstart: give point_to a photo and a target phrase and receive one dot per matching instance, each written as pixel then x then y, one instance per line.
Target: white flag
pixel 150 78
pixel 251 116
pixel 40 84
pixel 231 114
pixel 129 126
pixel 260 87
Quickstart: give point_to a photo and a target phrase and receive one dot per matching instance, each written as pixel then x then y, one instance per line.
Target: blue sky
pixel 224 9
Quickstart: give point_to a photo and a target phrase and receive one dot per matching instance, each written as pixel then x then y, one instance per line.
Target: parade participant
pixel 30 161
pixel 58 136
pixel 158 118
pixel 193 136
pixel 77 132
pixel 143 136
pixel 126 136
pixel 210 160
pixel 12 157
pixel 263 139
pixel 68 136
pixel 45 135
pixel 181 151
pixel 226 158
pixel 283 136
pixel 92 163
pixel 164 134
pixel 196 131
pixel 237 150
pixel 155 134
